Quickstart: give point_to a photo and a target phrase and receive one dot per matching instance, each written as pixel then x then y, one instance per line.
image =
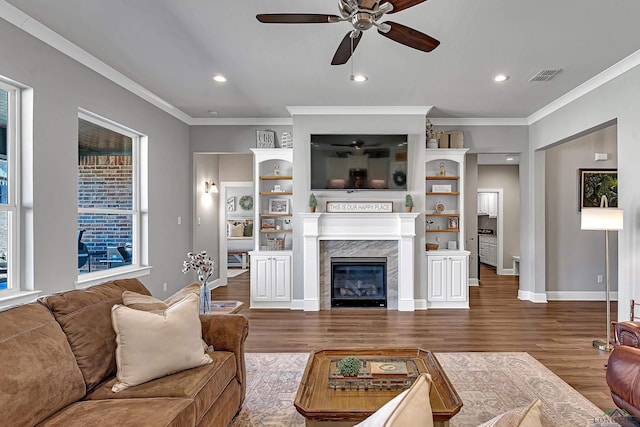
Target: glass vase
pixel 205 298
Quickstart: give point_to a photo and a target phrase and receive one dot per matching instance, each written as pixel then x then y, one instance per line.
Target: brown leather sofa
pixel 57 367
pixel 623 367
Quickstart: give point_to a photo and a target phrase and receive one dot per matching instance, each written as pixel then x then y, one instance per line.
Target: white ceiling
pixel 173 48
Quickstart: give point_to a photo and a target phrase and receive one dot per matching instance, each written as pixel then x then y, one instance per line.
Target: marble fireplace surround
pixel 364 234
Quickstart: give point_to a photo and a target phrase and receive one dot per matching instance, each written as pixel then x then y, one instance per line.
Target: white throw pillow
pixel 410 408
pixel 150 346
pixel 237 230
pixel 528 416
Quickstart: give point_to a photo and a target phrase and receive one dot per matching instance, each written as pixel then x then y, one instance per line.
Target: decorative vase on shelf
pixel 205 298
pixel 432 143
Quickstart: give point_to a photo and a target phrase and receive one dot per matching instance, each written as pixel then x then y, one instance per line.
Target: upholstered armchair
pixel 628 333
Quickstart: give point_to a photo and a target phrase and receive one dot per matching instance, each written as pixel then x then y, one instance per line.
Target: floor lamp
pixel 603 218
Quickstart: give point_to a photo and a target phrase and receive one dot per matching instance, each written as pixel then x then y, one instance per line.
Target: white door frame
pixel 500 267
pixel 222 218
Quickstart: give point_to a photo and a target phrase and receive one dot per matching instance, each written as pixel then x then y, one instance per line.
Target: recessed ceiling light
pixel 501 78
pixel 219 78
pixel 358 78
pixel 212 112
pixel 509 159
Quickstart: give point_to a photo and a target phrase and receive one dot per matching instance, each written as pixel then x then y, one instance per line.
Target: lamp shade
pixel 601 219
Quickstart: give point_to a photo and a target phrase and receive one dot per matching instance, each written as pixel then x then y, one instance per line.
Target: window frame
pixel 139 206
pixel 14 120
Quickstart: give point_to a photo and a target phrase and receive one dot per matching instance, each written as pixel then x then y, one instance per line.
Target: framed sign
pixel 595 183
pixel 265 139
pixel 231 204
pixel 359 207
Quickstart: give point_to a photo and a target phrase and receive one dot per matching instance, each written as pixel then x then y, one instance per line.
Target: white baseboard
pixel 532 296
pixel 474 282
pixel 421 304
pixel 297 304
pixel 448 305
pixel 507 272
pixel 580 296
pixel 215 284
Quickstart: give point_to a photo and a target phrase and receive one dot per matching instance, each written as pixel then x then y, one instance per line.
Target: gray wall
pixel 617 100
pixel 229 139
pixel 60 86
pixel 507 178
pixel 470 215
pixel 575 257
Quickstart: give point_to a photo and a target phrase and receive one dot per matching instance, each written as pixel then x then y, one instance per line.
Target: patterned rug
pixel 488 383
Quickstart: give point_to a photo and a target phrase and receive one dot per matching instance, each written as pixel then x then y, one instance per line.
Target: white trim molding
pixel 255 121
pixel 580 295
pixel 474 282
pixel 532 296
pixel 478 121
pixel 339 110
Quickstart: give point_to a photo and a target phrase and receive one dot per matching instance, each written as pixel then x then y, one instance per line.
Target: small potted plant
pixel 349 366
pixel 408 202
pixel 313 203
pixel 432 140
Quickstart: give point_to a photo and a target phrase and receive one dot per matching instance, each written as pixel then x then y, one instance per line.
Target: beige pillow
pixel 528 416
pixel 410 408
pixel 141 336
pixel 237 230
pixel 148 303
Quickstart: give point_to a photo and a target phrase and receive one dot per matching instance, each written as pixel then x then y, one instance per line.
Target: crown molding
pixel 43 33
pixel 478 121
pixel 590 85
pixel 273 121
pixel 422 110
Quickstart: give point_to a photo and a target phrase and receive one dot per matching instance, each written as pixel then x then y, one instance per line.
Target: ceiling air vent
pixel 544 75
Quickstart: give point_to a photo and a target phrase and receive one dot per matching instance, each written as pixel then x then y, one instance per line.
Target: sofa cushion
pixel 85 317
pixel 528 416
pixel 142 336
pixel 148 303
pixel 409 408
pixel 126 412
pixel 39 372
pixel 203 384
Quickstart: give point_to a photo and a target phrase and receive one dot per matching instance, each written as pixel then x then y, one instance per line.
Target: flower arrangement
pixel 349 366
pixel 431 132
pixel 201 263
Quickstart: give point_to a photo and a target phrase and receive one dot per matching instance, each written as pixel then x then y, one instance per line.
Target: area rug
pixel 488 383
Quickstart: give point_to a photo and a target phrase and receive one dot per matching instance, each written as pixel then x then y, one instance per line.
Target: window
pixel 111 206
pixel 9 134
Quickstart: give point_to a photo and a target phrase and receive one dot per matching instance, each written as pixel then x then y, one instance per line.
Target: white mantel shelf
pixel 359 226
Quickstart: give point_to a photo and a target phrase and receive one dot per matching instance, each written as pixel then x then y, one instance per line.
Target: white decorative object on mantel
pixel 360 207
pixel 265 139
pixel 286 140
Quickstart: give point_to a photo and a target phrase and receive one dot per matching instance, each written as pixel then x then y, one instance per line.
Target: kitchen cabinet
pixel 270 281
pixel 488 204
pixel 488 250
pixel 447 279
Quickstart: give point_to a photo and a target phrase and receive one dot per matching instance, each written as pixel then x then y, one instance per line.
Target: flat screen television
pixel 358 162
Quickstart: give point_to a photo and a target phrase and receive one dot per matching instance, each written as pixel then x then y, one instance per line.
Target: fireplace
pixel 358 282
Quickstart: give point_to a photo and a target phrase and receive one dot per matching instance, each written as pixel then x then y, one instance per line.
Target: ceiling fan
pixel 363 14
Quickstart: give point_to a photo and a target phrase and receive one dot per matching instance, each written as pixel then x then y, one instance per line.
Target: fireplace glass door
pixel 358 282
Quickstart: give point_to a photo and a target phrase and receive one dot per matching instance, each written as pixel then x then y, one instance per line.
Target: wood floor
pixel 558 334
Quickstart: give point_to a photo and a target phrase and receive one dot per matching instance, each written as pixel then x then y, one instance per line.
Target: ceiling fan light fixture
pixel 219 78
pixel 499 78
pixel 358 78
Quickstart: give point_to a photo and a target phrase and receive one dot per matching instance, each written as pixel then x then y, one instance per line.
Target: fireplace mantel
pixel 359 226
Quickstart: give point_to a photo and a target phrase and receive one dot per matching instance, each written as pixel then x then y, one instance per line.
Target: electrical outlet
pixel 600 278
pixel 165 287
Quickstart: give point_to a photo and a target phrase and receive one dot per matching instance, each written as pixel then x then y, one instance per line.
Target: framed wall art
pixel 231 204
pixel 265 139
pixel 595 183
pixel 279 206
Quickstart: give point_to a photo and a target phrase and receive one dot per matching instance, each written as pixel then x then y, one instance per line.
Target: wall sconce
pixel 210 186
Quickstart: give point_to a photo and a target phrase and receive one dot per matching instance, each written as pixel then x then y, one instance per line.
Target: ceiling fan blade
pixel 343 53
pixel 410 37
pixel 296 18
pixel 399 5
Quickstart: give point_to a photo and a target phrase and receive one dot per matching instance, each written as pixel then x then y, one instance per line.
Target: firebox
pixel 358 282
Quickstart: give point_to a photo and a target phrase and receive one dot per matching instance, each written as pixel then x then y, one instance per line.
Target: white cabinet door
pixel 483 206
pixel 261 278
pixel 492 256
pixel 281 285
pixel 271 278
pixel 492 205
pixel 457 283
pixel 437 278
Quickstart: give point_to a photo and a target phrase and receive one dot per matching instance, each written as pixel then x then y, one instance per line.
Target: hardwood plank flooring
pixel 558 334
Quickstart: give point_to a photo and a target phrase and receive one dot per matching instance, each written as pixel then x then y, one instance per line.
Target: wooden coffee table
pixel 323 406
